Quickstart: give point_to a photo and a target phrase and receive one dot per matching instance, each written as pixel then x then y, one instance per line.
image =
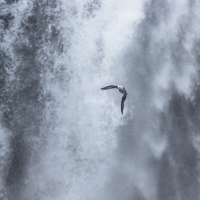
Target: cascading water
pixel 63 138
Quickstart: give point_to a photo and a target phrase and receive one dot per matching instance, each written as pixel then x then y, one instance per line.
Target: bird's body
pixel 122 90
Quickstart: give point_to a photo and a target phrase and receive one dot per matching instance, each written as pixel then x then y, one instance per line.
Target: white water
pixel 77 143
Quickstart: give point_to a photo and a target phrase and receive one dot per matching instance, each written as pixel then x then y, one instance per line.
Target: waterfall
pixel 61 137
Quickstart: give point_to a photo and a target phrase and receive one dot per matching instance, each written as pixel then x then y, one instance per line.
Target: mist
pixel 62 137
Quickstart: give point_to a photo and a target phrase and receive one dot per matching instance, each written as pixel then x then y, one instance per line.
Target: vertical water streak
pixel 156 156
pixel 24 33
pixel 61 137
pixel 80 120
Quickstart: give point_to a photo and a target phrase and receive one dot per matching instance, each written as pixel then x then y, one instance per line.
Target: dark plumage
pixel 122 90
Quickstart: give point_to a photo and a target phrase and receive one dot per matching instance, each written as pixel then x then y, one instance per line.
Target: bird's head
pixel 120 87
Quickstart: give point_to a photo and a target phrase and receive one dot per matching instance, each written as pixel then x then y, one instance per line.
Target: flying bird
pixel 122 90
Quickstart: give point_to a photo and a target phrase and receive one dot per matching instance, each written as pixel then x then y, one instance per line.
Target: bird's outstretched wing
pixel 109 87
pixel 122 102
